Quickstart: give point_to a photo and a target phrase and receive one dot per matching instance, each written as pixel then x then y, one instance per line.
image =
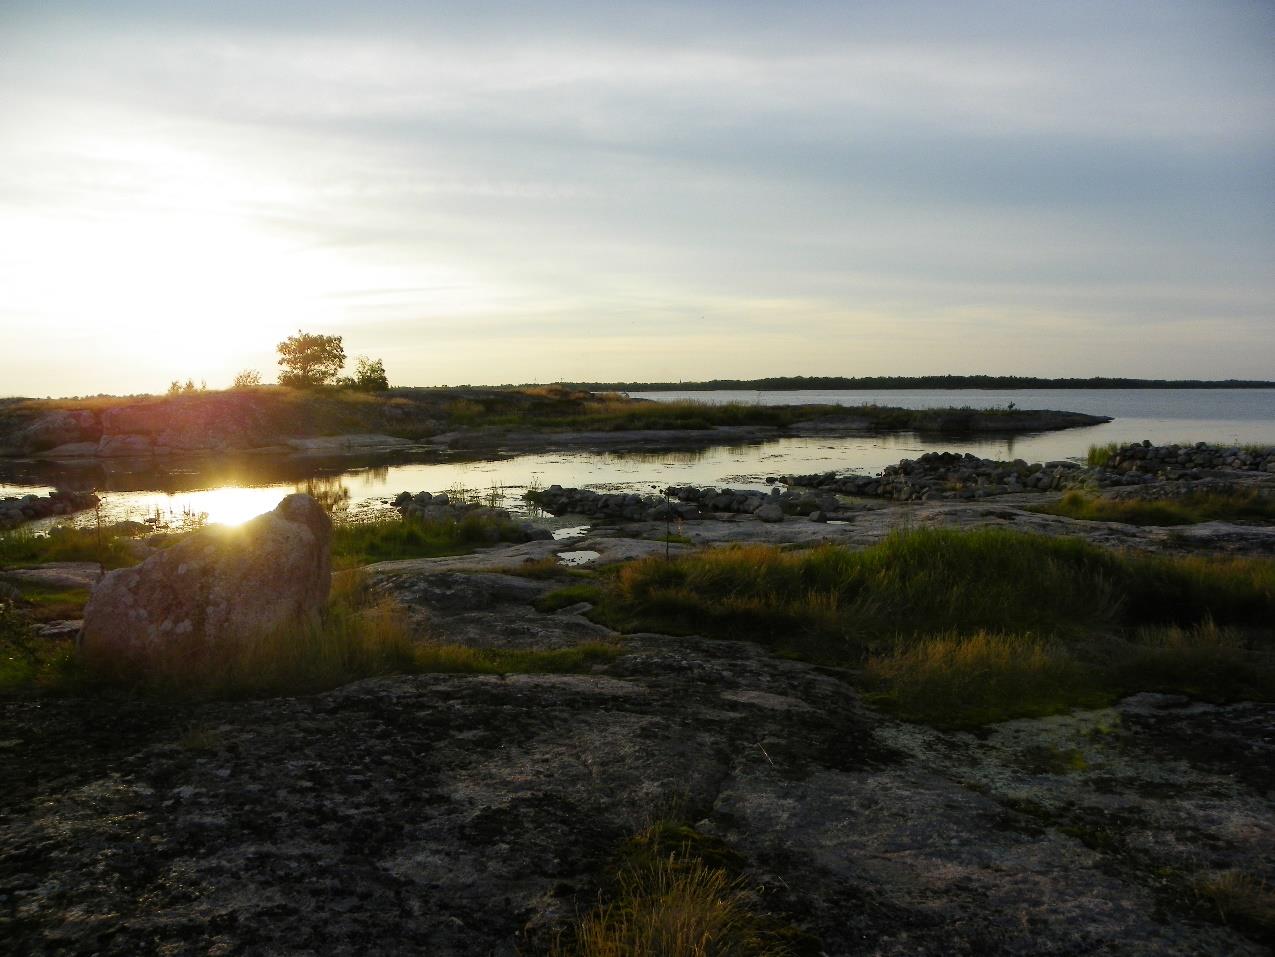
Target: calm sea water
pixel 232 490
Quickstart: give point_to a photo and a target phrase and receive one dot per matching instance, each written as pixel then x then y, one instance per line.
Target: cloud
pixel 941 175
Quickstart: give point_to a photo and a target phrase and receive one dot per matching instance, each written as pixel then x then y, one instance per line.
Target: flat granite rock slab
pixel 58 574
pixel 472 814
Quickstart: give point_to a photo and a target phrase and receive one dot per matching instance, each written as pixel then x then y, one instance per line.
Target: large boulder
pixel 217 587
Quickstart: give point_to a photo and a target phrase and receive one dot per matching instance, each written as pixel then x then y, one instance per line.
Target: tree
pixel 310 360
pixel 370 375
pixel 248 379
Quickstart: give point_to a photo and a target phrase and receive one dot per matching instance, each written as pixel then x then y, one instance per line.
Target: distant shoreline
pixel 941 382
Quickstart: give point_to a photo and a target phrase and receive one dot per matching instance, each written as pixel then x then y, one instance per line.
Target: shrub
pixel 369 375
pixel 248 379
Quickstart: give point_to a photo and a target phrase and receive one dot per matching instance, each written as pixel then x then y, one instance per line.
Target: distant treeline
pixel 793 383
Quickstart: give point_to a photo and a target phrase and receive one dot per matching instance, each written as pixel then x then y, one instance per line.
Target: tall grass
pixel 1242 899
pixel 962 681
pixel 357 544
pixel 352 639
pixel 668 898
pixel 1185 510
pixel 958 627
pixel 345 644
pixel 936 581
pixel 1100 455
pixel 66 543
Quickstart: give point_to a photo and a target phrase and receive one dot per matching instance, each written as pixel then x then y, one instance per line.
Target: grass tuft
pixel 1242 899
pixel 1100 455
pixel 65 543
pixel 564 597
pixel 954 681
pixel 959 628
pixel 1186 510
pixel 677 893
pixel 358 544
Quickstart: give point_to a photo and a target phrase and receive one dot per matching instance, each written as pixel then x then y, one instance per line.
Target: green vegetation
pixel 1099 455
pixel 65 543
pixel 570 595
pixel 961 628
pixel 351 641
pixel 43 603
pixel 678 893
pixel 369 376
pixel 460 659
pixel 544 569
pixel 28 661
pixel 309 360
pixel 979 678
pixel 357 544
pixel 1184 510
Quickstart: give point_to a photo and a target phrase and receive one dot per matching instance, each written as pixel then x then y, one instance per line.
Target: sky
pixel 525 192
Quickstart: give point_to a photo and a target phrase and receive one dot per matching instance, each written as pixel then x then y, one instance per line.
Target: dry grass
pixel 460 659
pixel 345 644
pixel 1202 660
pixel 1185 510
pixel 960 628
pixel 1241 898
pixel 963 681
pixel 677 893
pixel 673 910
pixel 354 638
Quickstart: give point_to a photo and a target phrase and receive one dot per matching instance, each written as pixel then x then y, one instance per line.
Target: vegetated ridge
pixel 267 416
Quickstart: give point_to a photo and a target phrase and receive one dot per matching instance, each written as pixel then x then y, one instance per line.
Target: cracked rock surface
pixel 471 814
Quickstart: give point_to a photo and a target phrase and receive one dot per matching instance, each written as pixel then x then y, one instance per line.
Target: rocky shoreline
pixel 16 510
pixel 934 476
pixel 462 814
pixel 458 814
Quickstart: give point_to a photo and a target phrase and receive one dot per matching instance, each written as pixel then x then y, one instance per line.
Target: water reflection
pixel 330 492
pixel 232 489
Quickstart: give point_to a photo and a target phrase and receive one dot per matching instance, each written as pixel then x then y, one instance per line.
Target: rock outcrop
pixel 217 586
pixel 498 524
pixel 948 475
pixel 686 503
pixel 58 428
pixel 15 510
pixel 1187 461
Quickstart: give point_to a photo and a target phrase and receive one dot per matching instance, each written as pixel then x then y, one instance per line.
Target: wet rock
pixel 15 510
pixel 218 585
pixel 769 513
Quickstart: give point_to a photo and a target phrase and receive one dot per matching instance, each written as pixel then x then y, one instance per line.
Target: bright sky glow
pixel 508 193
